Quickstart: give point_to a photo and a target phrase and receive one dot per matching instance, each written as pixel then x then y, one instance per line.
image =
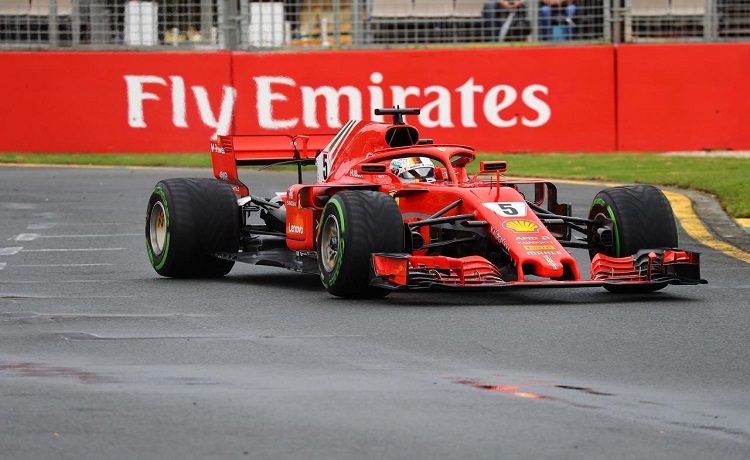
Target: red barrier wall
pixel 683 97
pixel 81 102
pixel 535 99
pixel 594 98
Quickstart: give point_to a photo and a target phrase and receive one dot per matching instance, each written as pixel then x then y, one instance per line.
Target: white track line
pixel 25 237
pixel 60 265
pixel 33 236
pixel 89 236
pixel 75 250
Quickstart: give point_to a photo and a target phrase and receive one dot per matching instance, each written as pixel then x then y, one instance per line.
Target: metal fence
pixel 319 24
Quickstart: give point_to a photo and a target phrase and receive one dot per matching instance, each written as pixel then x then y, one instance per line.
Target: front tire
pixel 189 220
pixel 354 225
pixel 641 218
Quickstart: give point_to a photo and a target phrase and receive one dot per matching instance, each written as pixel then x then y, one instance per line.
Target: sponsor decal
pixel 291 203
pixel 354 173
pixel 223 175
pixel 551 262
pixel 529 239
pixel 499 238
pixel 298 229
pixel 521 226
pixel 539 247
pixel 215 148
pixel 470 98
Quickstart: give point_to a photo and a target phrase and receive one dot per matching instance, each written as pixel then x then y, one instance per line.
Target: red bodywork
pixel 358 157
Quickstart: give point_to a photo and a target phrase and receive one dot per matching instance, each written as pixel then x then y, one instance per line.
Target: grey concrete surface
pixel 102 358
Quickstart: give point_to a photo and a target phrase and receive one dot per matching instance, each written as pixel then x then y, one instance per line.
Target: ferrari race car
pixel 391 211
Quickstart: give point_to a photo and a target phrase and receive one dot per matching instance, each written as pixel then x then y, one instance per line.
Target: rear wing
pixel 228 152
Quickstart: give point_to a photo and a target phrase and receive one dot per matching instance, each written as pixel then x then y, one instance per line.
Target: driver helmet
pixel 414 169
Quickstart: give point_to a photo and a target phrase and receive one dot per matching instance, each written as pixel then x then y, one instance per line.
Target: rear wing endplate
pixel 228 152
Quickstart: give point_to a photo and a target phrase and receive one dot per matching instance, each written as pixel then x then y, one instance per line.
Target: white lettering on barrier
pixel 179 107
pixel 223 122
pixel 264 99
pixel 376 94
pixel 529 97
pixel 137 94
pixel 332 98
pixel 437 112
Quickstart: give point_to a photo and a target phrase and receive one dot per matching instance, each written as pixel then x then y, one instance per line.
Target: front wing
pixel 652 267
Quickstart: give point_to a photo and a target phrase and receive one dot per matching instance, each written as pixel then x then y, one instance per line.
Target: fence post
pixel 75 24
pixel 710 20
pixel 622 21
pixel 230 25
pixel 607 21
pixel 534 19
pixel 52 24
pixel 206 20
pixel 336 23
pixel 357 25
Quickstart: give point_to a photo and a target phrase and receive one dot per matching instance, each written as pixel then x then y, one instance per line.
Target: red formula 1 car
pixel 390 211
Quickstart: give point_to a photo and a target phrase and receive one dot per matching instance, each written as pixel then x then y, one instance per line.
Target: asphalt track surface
pixel 102 358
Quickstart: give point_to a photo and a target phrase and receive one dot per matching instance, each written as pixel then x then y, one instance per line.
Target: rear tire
pixel 354 225
pixel 189 220
pixel 641 217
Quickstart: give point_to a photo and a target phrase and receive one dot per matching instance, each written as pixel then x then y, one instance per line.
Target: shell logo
pixel 521 226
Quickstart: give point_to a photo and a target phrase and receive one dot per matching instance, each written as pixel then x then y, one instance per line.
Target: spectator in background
pixel 556 19
pixel 505 20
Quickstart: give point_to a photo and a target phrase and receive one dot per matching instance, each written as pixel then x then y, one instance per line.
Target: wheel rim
pixel 330 243
pixel 157 228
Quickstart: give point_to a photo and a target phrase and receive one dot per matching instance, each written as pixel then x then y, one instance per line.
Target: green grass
pixel 726 178
pixel 193 160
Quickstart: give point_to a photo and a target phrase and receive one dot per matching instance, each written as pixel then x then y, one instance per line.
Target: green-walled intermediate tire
pixel 188 220
pixel 641 217
pixel 355 224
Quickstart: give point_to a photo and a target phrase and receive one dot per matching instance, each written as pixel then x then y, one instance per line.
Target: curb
pixel 744 223
pixel 704 219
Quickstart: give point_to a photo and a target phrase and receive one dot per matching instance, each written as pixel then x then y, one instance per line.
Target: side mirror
pixel 492 167
pixel 373 168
